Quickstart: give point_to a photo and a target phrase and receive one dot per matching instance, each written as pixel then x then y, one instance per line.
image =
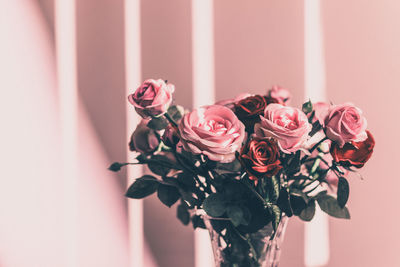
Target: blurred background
pixel 254 45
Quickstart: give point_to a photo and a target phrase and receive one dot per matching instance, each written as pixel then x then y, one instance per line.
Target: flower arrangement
pixel 242 165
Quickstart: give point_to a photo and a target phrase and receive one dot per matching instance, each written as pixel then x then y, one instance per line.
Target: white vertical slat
pixel 314 58
pixel 65 32
pixel 203 92
pixel 316 234
pixel 133 79
pixel 203 52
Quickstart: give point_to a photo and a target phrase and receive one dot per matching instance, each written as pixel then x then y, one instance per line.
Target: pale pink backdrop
pixel 257 44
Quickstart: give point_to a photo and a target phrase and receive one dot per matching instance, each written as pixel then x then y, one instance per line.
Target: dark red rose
pixel 248 110
pixel 354 153
pixel 270 100
pixel 260 158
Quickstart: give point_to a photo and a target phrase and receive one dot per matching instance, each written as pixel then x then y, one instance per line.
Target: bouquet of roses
pixel 241 167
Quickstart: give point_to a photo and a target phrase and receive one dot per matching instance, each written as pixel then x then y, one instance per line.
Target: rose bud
pixel 260 158
pixel 152 98
pixel 170 136
pixel 144 139
pixel 288 125
pixel 345 123
pixel 354 153
pixel 214 131
pixel 249 110
pixel 280 95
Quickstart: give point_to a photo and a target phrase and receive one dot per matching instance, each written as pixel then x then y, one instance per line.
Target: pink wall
pixel 363 65
pixel 166 53
pixel 31 199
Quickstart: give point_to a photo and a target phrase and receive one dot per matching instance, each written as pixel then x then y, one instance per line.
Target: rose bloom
pixel 230 103
pixel 354 153
pixel 345 123
pixel 280 95
pixel 152 98
pixel 249 110
pixel 144 139
pixel 214 131
pixel 288 125
pixel 260 158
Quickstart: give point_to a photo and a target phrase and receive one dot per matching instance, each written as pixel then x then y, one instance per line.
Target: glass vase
pixel 259 249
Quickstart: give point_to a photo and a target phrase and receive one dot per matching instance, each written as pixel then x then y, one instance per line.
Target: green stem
pixel 315 166
pixel 207 174
pixel 193 170
pixel 266 204
pixel 318 144
pixel 309 191
pixel 168 117
pixel 246 238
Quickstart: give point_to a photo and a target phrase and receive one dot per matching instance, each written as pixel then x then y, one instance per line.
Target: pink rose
pixel 230 103
pixel 214 131
pixel 345 123
pixel 280 94
pixel 152 98
pixel 288 125
pixel 144 139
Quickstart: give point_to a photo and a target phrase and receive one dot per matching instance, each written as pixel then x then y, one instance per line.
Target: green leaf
pixel 183 214
pixel 214 205
pixel 168 194
pixel 235 213
pixel 160 165
pixel 298 201
pixel 343 191
pixel 233 166
pixel 316 126
pixel 238 215
pixel 142 187
pixel 308 213
pixel 276 216
pixel 330 205
pixel 188 197
pixel 246 215
pixel 116 166
pixel 198 222
pixel 274 189
pixel 320 194
pixel 176 112
pixel 307 107
pixel 186 179
pixel 158 123
pixel 294 164
pixel 284 202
